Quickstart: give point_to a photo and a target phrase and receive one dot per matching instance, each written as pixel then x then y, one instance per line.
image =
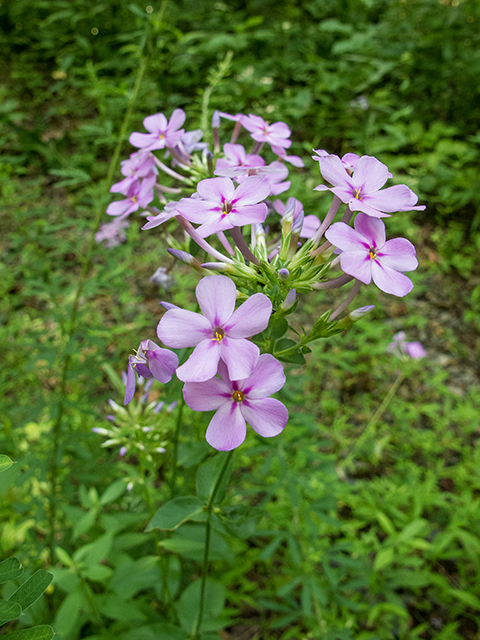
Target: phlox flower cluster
pixel 274 250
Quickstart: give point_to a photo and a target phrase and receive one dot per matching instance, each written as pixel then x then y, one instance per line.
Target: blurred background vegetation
pixel 392 553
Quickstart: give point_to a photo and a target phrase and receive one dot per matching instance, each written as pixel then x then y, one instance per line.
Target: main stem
pixel 206 550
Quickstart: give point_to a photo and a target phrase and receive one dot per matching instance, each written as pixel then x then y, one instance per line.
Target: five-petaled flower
pixel 222 207
pixel 361 189
pixel 366 255
pixel 241 401
pixel 276 134
pixel 161 133
pixel 149 361
pixel 219 334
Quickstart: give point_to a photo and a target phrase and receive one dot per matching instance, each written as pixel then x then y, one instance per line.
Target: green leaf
pixel 207 475
pixel 278 328
pixel 155 631
pixel 383 558
pixel 5 462
pixel 95 552
pixel 412 530
pixel 67 615
pixel 42 632
pixel 465 596
pixel 9 611
pixel 97 573
pixel 385 522
pixel 10 569
pixel 188 605
pixel 191 453
pixel 31 589
pixel 114 491
pixel 174 513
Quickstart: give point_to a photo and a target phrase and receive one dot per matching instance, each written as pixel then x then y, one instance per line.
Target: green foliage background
pixel 393 550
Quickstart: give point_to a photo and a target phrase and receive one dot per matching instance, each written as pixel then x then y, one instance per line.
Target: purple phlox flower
pixel 276 134
pixel 237 402
pixel 219 334
pixel 404 350
pixel 139 194
pixel 223 207
pixel 161 133
pixel 139 165
pixel 296 161
pixel 349 160
pixel 169 212
pixel 366 255
pixel 112 233
pixel 188 143
pixel 150 360
pixel 361 189
pixel 310 222
pixel 237 162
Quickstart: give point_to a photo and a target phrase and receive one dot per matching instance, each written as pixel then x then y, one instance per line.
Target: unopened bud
pixel 298 223
pixel 356 314
pixel 289 300
pixel 215 120
pixel 215 266
pixel 158 407
pixel 122 452
pixel 289 211
pixel 283 275
pixel 168 305
pixel 102 432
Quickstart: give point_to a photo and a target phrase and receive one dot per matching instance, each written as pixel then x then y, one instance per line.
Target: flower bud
pixel 298 223
pixel 356 314
pixel 122 452
pixel 283 275
pixel 289 300
pixel 215 120
pixel 102 432
pixel 289 211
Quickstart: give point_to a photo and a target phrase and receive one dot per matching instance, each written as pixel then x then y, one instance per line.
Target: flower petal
pixel 248 214
pixel 206 396
pixel 156 123
pixel 250 318
pixel 372 229
pixel 240 356
pixel 267 416
pixel 390 281
pixel 176 120
pixel 216 296
pixel 333 170
pixel 370 174
pixel 179 328
pixel 345 238
pixel 131 381
pixel 162 364
pixel 252 190
pixel 397 198
pixel 357 264
pixel 227 429
pixel 268 377
pixel 202 364
pixel 399 254
pixel 216 189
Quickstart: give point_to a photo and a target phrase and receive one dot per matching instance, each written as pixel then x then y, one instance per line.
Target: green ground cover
pixel 386 546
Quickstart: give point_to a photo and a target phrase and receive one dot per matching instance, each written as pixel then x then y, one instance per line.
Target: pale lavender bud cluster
pixel 406 350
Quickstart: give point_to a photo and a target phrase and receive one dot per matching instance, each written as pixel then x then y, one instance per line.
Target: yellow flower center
pixel 134 198
pixel 218 334
pixel 161 136
pixel 227 207
pixel 372 254
pixel 237 396
pixel 357 194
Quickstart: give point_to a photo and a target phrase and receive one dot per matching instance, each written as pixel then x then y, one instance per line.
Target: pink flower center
pixel 218 334
pixel 237 396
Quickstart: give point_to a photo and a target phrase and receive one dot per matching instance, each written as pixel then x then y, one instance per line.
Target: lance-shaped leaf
pixel 10 569
pixel 177 511
pixel 42 632
pixel 31 589
pixel 9 611
pixel 5 462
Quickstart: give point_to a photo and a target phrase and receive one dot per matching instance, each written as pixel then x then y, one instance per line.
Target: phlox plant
pixel 258 252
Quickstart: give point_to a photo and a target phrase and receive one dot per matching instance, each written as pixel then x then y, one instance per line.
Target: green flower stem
pixel 206 550
pixel 375 418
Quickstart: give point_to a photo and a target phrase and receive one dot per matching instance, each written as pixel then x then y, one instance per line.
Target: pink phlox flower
pixel 310 222
pixel 296 161
pixel 112 233
pixel 405 350
pixel 139 194
pixel 366 255
pixel 361 190
pixel 150 360
pixel 139 165
pixel 219 334
pixel 161 133
pixel 276 134
pixel 237 162
pixel 223 207
pixel 349 160
pixel 240 401
pixel 188 144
